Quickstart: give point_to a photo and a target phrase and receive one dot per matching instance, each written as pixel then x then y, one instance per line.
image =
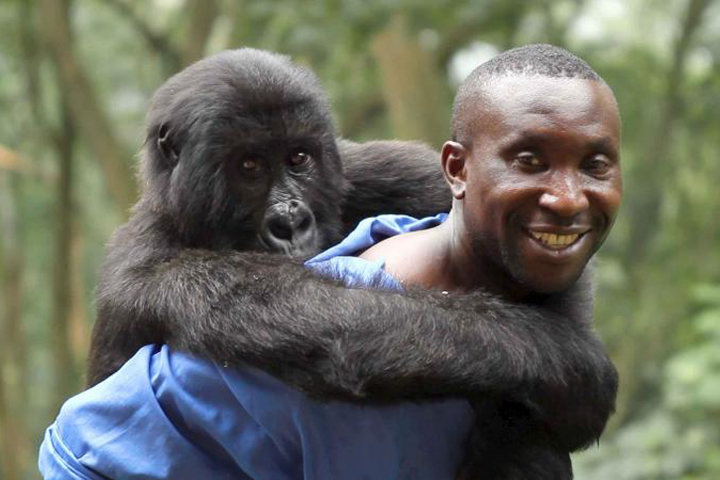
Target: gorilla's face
pixel 259 186
pixel 285 189
pixel 237 165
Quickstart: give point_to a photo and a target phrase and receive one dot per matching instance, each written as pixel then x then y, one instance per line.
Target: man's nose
pixel 565 195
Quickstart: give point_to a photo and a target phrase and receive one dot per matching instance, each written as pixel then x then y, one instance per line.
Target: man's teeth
pixel 553 240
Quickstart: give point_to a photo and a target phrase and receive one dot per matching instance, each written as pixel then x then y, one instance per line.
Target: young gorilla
pixel 240 156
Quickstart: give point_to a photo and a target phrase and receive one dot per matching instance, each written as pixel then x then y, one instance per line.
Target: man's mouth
pixel 556 241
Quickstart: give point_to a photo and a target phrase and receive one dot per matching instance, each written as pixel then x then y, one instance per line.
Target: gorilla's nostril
pixel 291 224
pixel 281 229
pixel 305 224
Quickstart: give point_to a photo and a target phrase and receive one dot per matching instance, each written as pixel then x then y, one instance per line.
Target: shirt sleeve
pixel 341 263
pixel 166 414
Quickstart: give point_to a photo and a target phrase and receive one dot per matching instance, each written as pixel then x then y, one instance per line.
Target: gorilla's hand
pixel 507 443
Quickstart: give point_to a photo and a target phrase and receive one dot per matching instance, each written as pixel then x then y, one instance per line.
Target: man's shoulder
pixel 397 246
pixel 403 256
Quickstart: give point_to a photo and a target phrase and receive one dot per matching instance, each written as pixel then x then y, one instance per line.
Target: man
pixel 534 172
pixel 536 182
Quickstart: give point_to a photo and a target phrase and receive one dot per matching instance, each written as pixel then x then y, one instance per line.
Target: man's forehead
pixel 522 101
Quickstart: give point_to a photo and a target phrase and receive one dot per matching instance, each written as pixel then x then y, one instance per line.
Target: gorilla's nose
pixel 290 227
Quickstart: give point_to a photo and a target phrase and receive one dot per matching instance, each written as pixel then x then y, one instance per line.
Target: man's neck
pixel 464 269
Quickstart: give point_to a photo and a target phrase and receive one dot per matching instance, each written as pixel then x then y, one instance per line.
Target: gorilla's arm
pixel 342 343
pixel 391 176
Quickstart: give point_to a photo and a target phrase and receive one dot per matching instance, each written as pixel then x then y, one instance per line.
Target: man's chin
pixel 548 280
pixel 543 271
pixel 549 284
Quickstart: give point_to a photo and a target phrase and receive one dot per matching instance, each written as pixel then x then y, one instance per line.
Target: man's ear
pixel 454 158
pixel 166 145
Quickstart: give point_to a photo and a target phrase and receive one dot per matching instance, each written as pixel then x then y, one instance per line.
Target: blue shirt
pixel 167 414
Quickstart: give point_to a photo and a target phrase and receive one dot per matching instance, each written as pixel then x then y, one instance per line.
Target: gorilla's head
pixel 240 153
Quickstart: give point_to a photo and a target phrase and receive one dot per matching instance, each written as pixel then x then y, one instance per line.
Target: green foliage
pixel 677 436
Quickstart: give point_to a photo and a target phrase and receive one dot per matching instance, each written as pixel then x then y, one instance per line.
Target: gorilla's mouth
pixel 306 248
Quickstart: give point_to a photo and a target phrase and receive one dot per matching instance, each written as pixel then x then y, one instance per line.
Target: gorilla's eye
pixel 251 165
pixel 299 158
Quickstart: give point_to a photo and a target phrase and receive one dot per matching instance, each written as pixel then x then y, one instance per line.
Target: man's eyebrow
pixel 603 145
pixel 534 136
pixel 529 139
pixel 527 136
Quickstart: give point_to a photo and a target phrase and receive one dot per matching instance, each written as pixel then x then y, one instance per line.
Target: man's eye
pixel 598 165
pixel 299 158
pixel 528 160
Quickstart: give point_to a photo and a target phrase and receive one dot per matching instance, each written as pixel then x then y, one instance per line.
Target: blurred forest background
pixel 76 78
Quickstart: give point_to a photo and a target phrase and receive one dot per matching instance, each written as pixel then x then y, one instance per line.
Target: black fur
pixel 187 270
pixel 390 176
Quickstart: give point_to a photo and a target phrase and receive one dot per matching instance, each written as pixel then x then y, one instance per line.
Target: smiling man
pixel 534 172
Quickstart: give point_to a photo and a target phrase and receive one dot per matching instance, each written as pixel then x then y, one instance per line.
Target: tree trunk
pixel 160 44
pixel 411 85
pixel 14 439
pixel 78 323
pixel 200 18
pixel 66 373
pixel 87 112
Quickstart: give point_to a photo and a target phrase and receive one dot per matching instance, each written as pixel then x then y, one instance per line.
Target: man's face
pixel 543 181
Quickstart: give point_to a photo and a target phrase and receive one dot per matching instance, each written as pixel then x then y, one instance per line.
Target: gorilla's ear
pixel 166 145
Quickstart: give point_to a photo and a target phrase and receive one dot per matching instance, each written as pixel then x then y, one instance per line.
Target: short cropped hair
pixel 541 60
